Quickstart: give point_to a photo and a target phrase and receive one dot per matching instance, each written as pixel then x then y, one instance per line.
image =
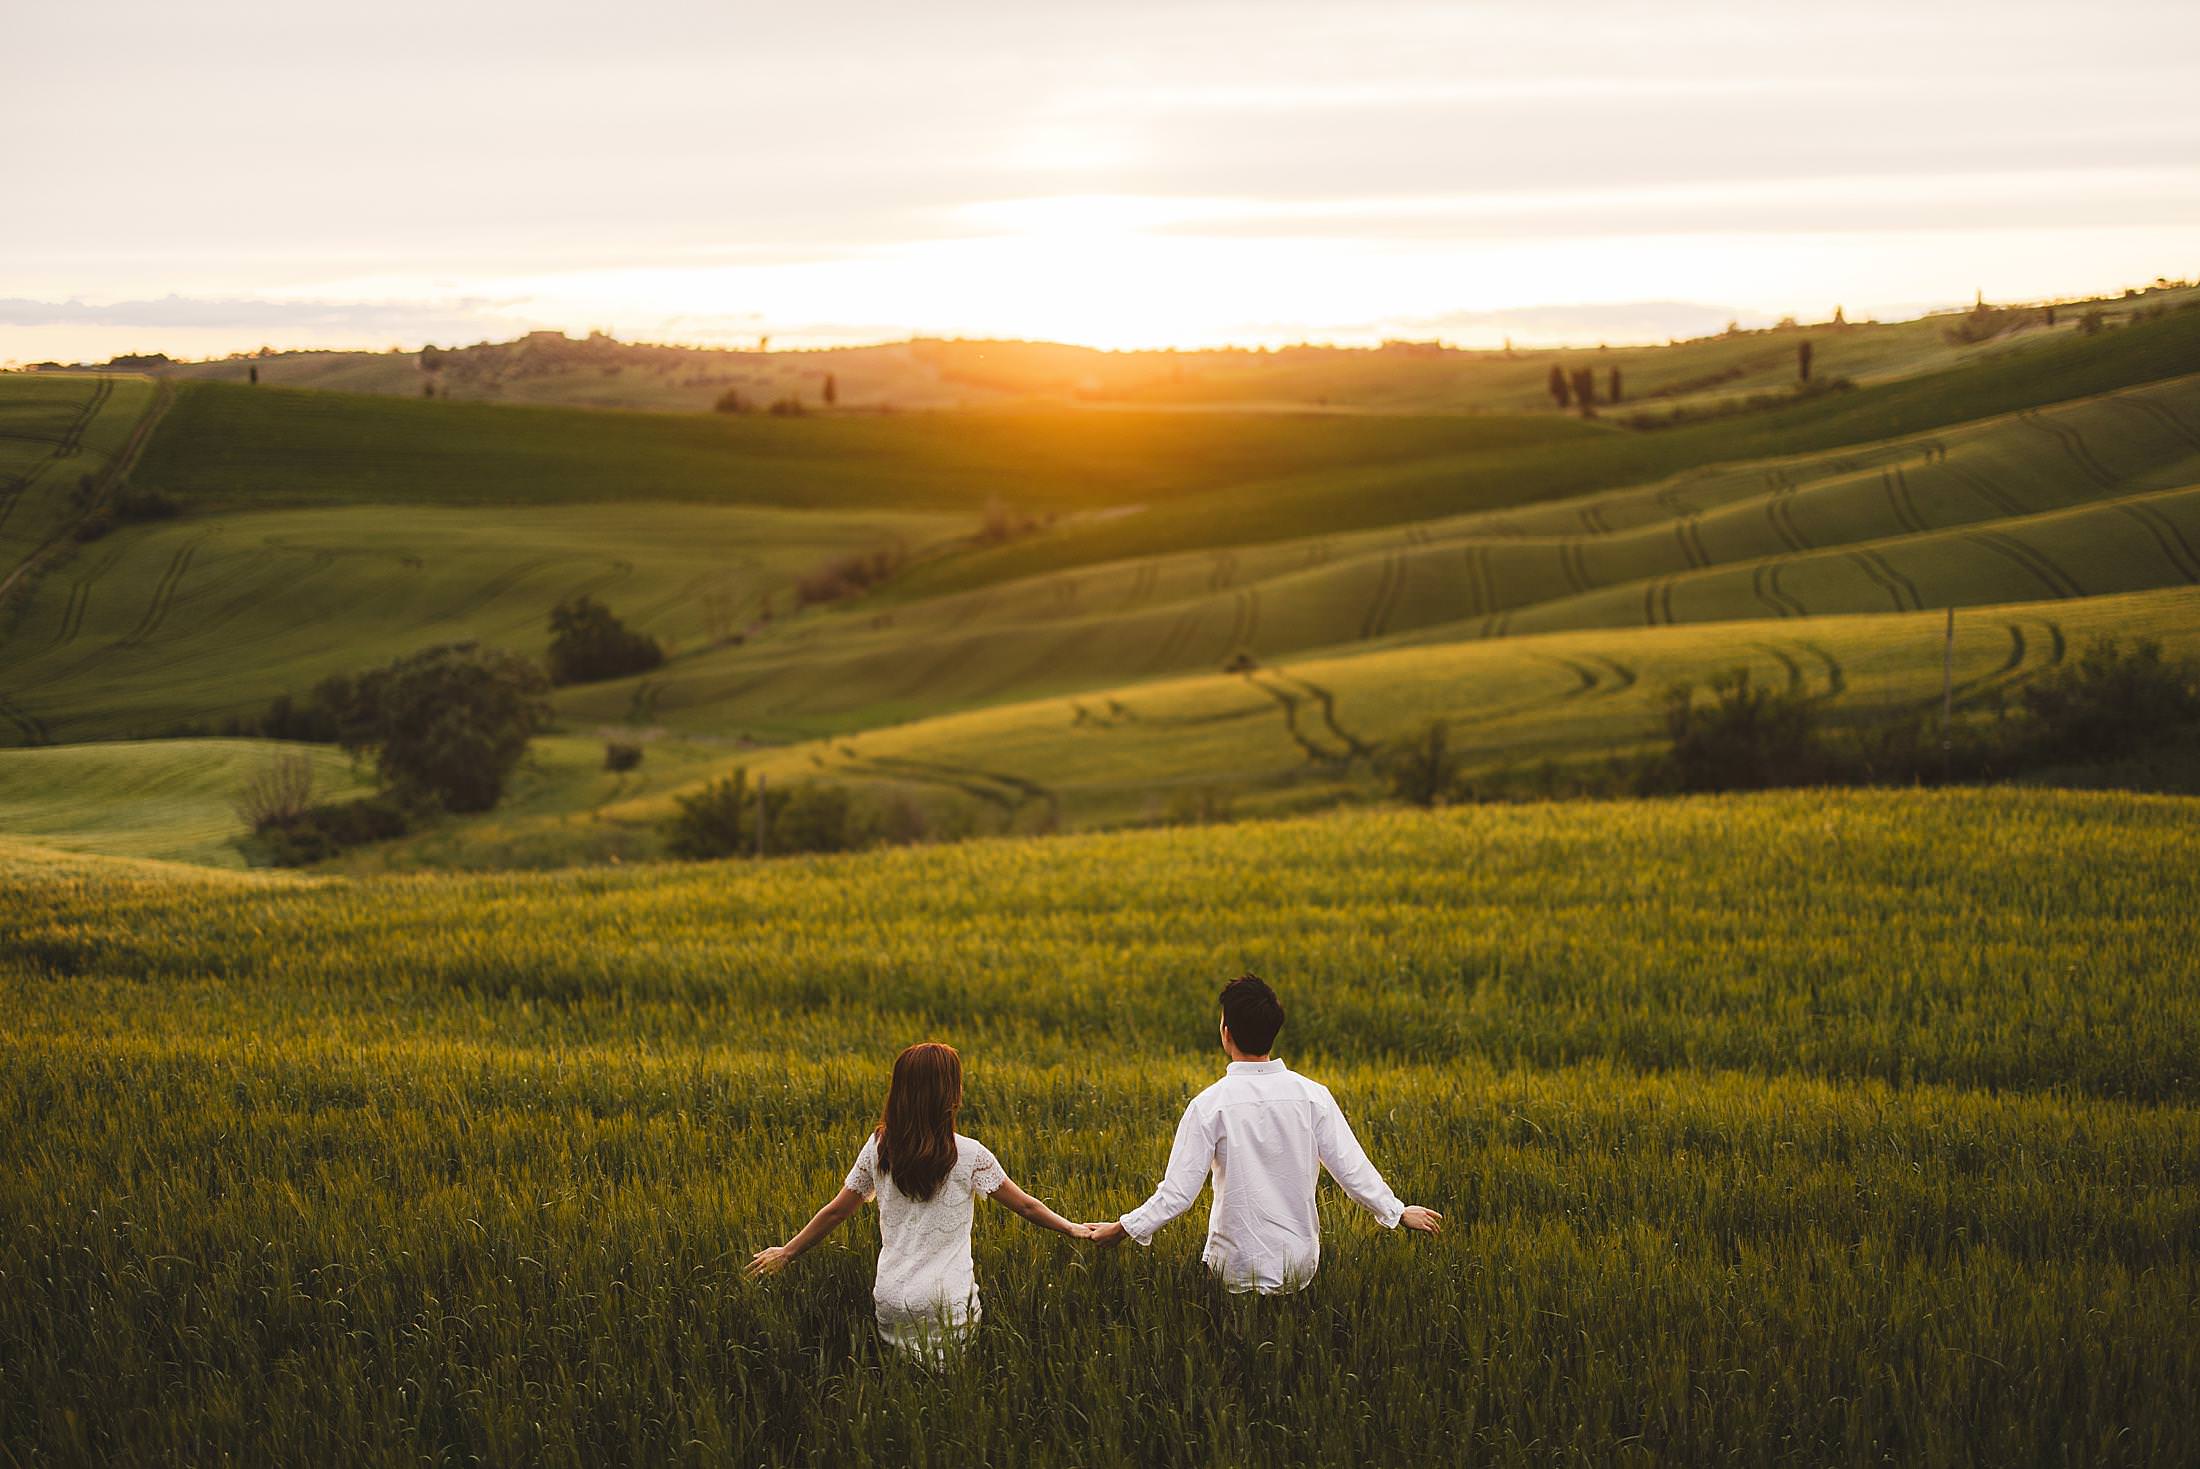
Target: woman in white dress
pixel 926 1177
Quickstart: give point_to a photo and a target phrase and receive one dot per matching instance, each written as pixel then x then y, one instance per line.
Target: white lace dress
pixel 927 1287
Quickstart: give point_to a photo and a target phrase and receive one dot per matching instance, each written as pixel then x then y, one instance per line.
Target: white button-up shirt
pixel 1261 1130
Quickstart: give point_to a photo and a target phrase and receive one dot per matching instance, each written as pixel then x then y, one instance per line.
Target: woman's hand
pixel 769 1261
pixel 1428 1221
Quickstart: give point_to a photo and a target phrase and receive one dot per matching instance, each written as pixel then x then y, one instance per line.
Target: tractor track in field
pixel 1224 572
pixel 1245 618
pixel 1389 585
pixel 2162 414
pixel 1780 511
pixel 1497 624
pixel 1688 530
pixel 1798 681
pixel 2058 582
pixel 1316 752
pixel 1143 582
pixel 80 596
pixel 164 595
pixel 1328 704
pixel 1593 521
pixel 1764 584
pixel 1904 503
pixel 64 447
pixel 1173 642
pixel 1573 566
pixel 1320 553
pixel 1481 591
pixel 1987 490
pixel 2175 548
pixel 2073 445
pixel 1007 793
pixel 1887 579
pixel 1657 601
pixel 33 728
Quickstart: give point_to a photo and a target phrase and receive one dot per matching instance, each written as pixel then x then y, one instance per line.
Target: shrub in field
pixel 449 722
pixel 845 576
pixel 1747 737
pixel 588 643
pixel 620 758
pixel 279 794
pixel 810 818
pixel 321 832
pixel 2108 701
pixel 716 821
pixel 1423 769
pixel 1205 806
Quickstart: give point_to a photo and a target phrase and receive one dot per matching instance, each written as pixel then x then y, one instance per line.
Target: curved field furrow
pixel 1479 596
pixel 1316 752
pixel 164 592
pixel 1758 578
pixel 1245 618
pixel 1882 575
pixel 1837 680
pixel 1623 677
pixel 2175 548
pixel 1593 521
pixel 1904 504
pixel 2058 582
pixel 2073 445
pixel 1328 702
pixel 33 728
pixel 2162 414
pixel 1794 670
pixel 1986 490
pixel 1388 586
pixel 1779 509
pixel 1142 584
pixel 1573 566
pixel 1224 572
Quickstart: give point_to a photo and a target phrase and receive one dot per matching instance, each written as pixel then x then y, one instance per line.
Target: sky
pixel 212 177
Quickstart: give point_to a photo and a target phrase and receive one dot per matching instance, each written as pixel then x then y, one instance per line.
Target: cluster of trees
pixel 124 505
pixel 443 728
pixel 588 644
pixel 2113 701
pixel 1577 388
pixel 731 817
pixel 787 405
pixel 1003 523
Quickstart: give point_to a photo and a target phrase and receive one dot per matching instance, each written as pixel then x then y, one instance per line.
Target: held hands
pixel 1110 1233
pixel 1428 1221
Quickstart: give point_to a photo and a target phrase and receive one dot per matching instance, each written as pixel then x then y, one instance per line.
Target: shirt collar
pixel 1256 1068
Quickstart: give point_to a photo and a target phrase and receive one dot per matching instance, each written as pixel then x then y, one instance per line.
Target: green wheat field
pixel 1823 1126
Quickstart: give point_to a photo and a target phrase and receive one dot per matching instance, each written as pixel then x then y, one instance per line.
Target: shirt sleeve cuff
pixel 1136 1227
pixel 1390 1214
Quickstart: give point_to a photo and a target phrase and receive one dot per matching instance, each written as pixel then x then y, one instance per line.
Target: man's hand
pixel 1110 1233
pixel 1428 1221
pixel 769 1261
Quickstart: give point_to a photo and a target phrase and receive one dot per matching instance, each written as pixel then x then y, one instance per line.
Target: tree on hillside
pixel 1802 360
pixel 588 643
pixel 832 391
pixel 448 722
pixel 1559 392
pixel 1613 394
pixel 1839 318
pixel 252 375
pixel 1585 391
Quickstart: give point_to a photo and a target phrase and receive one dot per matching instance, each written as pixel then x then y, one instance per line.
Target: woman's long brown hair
pixel 916 1136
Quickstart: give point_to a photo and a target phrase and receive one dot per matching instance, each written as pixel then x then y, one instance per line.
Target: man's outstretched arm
pixel 1348 1163
pixel 1189 1159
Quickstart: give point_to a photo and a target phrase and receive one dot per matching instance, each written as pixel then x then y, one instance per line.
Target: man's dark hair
pixel 1253 1013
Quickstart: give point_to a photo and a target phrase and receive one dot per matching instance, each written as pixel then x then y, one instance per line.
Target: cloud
pixel 250 313
pixel 1616 321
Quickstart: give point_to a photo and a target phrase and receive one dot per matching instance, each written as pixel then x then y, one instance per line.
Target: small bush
pixel 715 821
pixel 1748 737
pixel 322 832
pixel 278 795
pixel 2108 702
pixel 1422 770
pixel 620 758
pixel 1206 806
pixel 810 818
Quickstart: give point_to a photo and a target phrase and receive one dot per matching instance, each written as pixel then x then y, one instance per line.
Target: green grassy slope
pixel 61 437
pixel 1301 734
pixel 1842 1128
pixel 2085 497
pixel 199 618
pixel 167 799
pixel 225 446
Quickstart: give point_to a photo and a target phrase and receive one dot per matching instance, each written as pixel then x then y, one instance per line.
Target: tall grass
pixel 1770 1130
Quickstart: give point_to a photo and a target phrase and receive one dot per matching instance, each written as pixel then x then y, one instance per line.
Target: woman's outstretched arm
pixel 1037 1212
pixel 775 1258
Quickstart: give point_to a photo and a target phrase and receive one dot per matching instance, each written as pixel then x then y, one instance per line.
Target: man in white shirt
pixel 1263 1131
